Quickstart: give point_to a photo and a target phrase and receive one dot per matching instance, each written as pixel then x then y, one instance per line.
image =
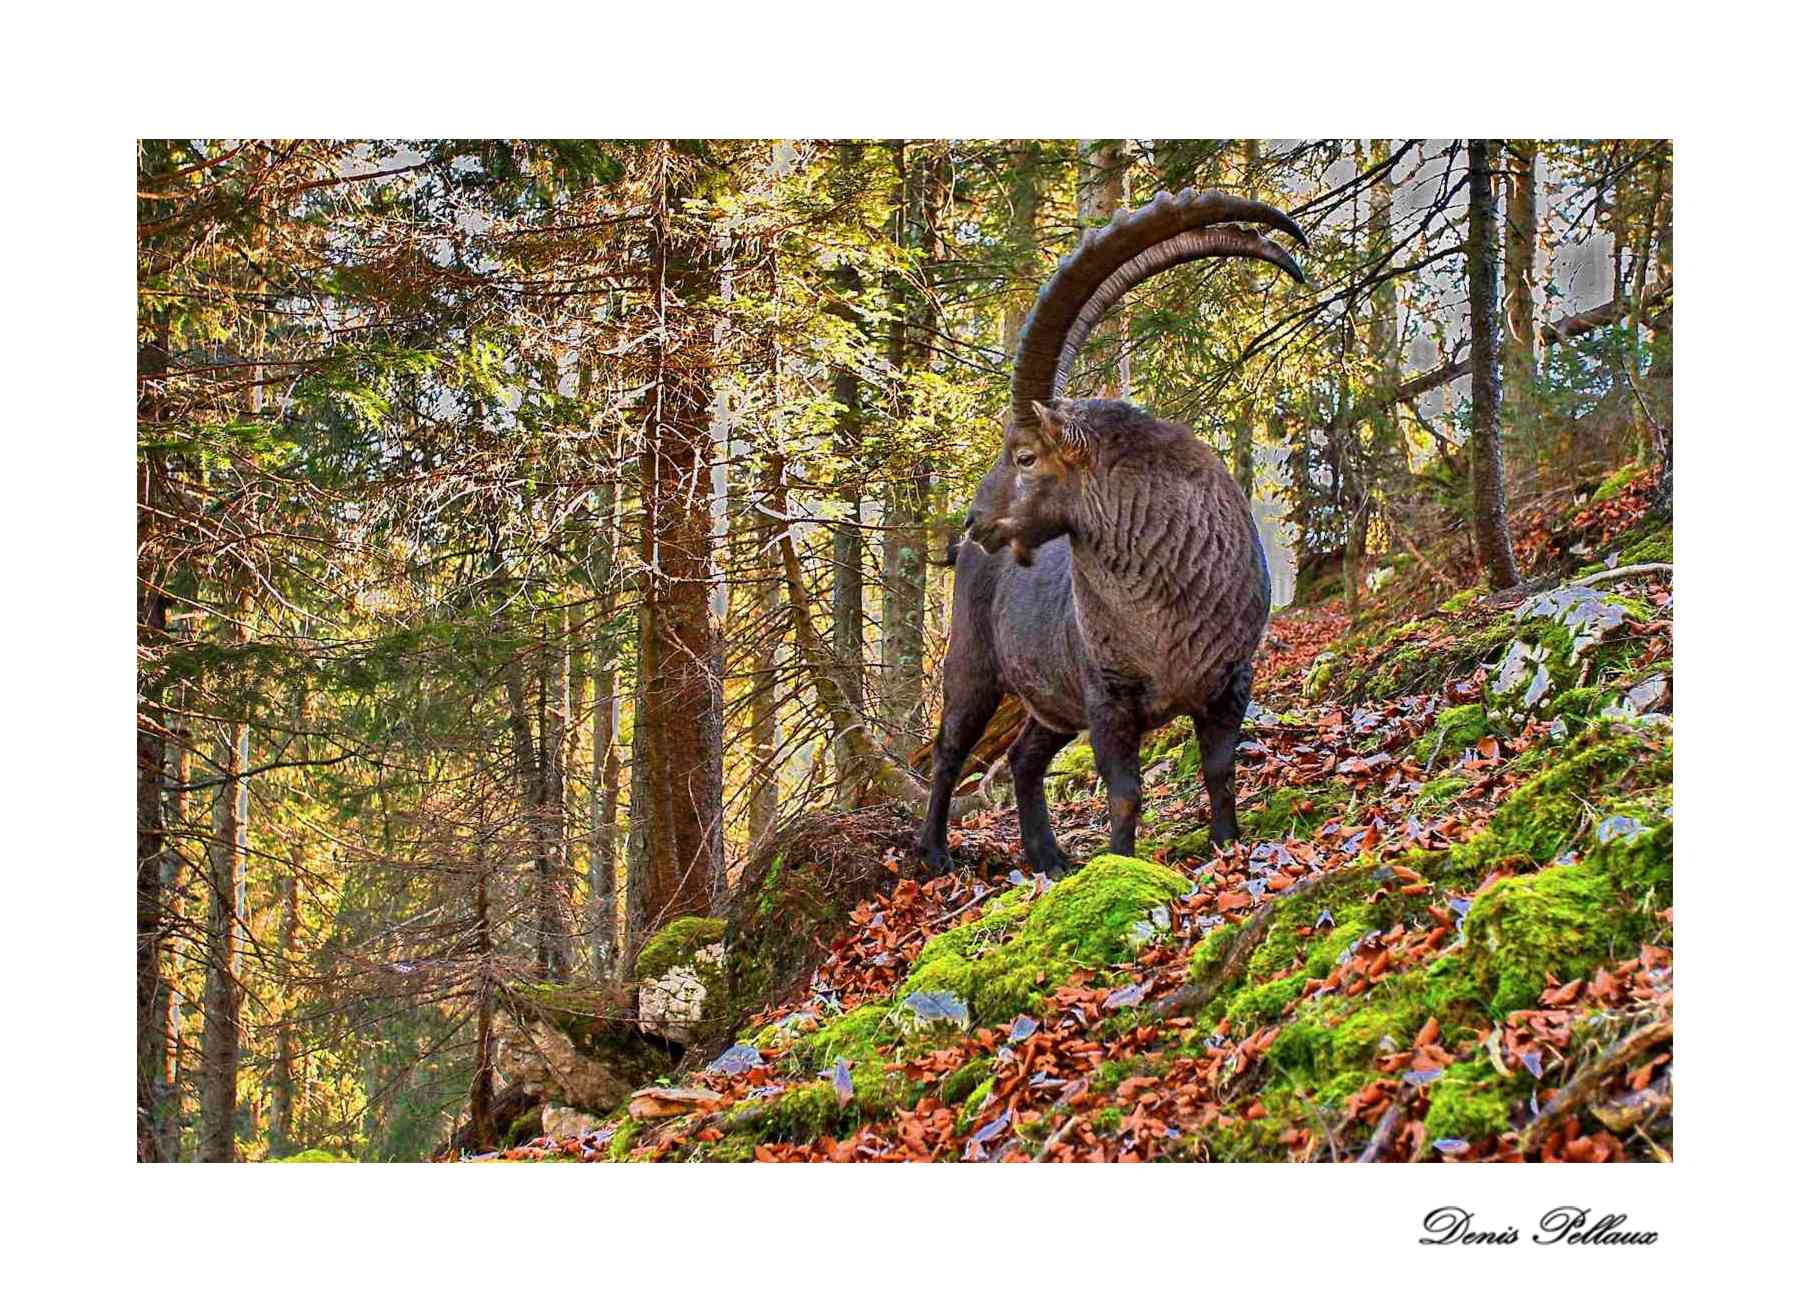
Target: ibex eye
pixel 1025 459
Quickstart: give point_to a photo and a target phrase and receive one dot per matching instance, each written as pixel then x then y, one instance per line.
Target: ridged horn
pixel 1112 260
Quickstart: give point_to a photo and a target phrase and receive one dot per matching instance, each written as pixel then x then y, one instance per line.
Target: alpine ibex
pixel 1137 589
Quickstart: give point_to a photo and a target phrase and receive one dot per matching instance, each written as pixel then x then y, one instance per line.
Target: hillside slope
pixel 1445 935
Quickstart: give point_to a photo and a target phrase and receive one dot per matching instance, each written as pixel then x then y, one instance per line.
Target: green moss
pixel 1441 791
pixel 621 1144
pixel 1468 1102
pixel 1462 601
pixel 975 1104
pixel 856 1037
pixel 1321 675
pixel 1405 667
pixel 730 1149
pixel 1260 1005
pixel 1657 545
pixel 1107 1076
pixel 525 1128
pixel 1325 954
pixel 316 1156
pixel 1456 729
pixel 1543 817
pixel 1578 705
pixel 1614 484
pixel 1074 770
pixel 1568 919
pixel 674 944
pixel 1283 948
pixel 1292 812
pixel 1005 962
pixel 1209 953
pixel 962 1081
pixel 1108 1122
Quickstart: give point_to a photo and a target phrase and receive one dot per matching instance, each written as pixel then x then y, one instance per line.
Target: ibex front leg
pixel 1030 755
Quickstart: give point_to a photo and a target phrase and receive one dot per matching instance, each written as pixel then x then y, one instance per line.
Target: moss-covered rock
pixel 1321 676
pixel 677 943
pixel 795 893
pixel 1561 640
pixel 576 1045
pixel 682 992
pixel 1008 960
pixel 316 1156
pixel 1569 919
pixel 1469 1101
pixel 1456 729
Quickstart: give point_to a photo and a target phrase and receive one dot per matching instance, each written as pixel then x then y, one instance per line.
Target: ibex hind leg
pixel 963 721
pixel 1035 747
pixel 1116 744
pixel 1219 729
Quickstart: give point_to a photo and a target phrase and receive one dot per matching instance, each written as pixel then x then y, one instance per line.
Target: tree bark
pixel 220 1008
pixel 1486 462
pixel 605 734
pixel 677 729
pixel 762 693
pixel 153 631
pixel 849 616
pixel 917 211
pixel 1022 251
pixel 553 888
pixel 282 1067
pixel 1101 167
pixel 1518 350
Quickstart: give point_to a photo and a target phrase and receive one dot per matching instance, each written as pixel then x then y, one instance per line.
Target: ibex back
pixel 1113 577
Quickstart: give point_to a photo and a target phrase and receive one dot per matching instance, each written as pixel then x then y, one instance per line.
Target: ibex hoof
pixel 936 858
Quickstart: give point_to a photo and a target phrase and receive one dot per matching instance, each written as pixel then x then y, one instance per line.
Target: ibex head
pixel 1026 499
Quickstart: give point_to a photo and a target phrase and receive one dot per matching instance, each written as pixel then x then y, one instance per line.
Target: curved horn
pixel 1112 260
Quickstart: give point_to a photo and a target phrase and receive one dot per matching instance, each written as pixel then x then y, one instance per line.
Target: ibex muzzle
pixel 1135 588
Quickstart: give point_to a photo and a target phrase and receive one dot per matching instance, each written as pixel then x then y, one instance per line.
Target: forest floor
pixel 1445 934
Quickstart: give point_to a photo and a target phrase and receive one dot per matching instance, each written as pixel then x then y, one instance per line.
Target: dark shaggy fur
pixel 1117 583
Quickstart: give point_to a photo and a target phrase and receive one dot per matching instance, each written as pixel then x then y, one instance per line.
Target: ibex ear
pixel 1063 430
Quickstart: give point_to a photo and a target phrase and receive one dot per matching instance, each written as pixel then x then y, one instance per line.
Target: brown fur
pixel 1136 591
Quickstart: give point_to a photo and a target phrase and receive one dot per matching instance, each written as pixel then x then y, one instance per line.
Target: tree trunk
pixel 225 908
pixel 678 735
pixel 282 1068
pixel 553 888
pixel 605 734
pixel 1518 349
pixel 917 211
pixel 762 692
pixel 849 635
pixel 169 1004
pixel 1101 167
pixel 483 1080
pixel 1022 250
pixel 153 836
pixel 1486 462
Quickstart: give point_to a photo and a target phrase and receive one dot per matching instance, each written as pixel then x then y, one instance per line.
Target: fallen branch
pixel 1586 1083
pixel 1042 1155
pixel 1248 939
pixel 1626 572
pixel 1382 1139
